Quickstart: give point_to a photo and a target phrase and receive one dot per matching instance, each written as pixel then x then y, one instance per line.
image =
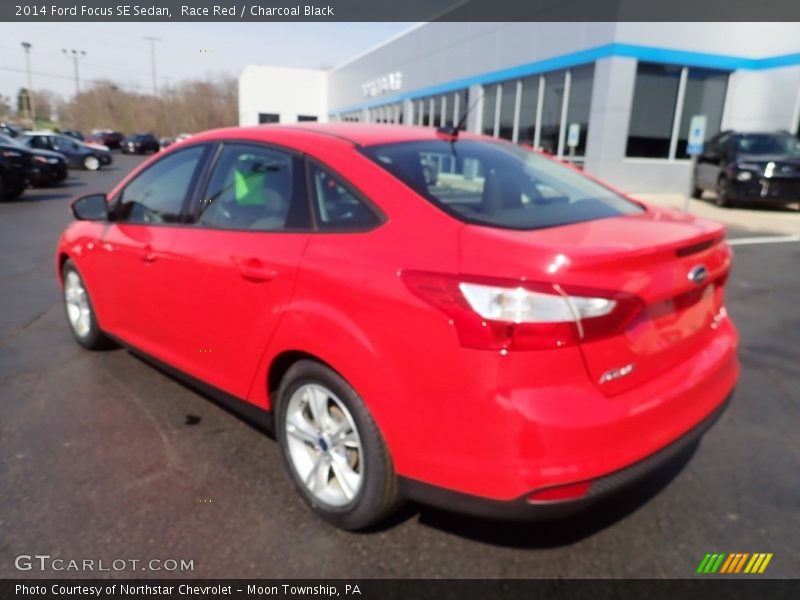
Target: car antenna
pixel 452 131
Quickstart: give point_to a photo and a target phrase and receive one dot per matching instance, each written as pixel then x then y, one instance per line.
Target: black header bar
pixel 398 10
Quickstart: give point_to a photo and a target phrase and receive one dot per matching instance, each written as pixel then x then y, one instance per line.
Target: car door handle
pixel 147 254
pixel 254 270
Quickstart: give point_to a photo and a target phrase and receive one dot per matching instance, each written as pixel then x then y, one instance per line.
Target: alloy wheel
pixel 79 311
pixel 324 445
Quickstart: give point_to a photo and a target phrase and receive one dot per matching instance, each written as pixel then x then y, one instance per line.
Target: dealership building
pixel 625 101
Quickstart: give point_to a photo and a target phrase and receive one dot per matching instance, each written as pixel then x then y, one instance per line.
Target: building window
pixel 302 118
pixel 460 107
pixel 489 108
pixel 552 106
pixel 508 103
pixel 705 95
pixel 528 109
pixel 578 106
pixel 665 99
pixel 268 118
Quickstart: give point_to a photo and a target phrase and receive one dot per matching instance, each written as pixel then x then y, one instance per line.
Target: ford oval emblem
pixel 698 274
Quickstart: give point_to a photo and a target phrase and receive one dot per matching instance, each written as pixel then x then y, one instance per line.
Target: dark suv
pixel 753 167
pixel 16 167
pixel 140 143
pixel 112 139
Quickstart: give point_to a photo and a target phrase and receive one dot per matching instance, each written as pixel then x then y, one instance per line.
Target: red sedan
pixel 421 314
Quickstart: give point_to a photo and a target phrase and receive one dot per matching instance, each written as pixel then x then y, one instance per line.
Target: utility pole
pixel 153 41
pixel 30 104
pixel 76 55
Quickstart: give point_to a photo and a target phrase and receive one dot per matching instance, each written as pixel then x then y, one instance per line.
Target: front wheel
pixel 723 193
pixel 333 448
pixel 92 163
pixel 80 311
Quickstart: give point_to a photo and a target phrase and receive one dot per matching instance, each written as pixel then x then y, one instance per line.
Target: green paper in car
pixel 249 188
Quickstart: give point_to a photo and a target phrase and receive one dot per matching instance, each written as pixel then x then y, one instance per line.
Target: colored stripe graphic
pixel 734 563
pixel 740 564
pixel 703 563
pixel 727 564
pixel 715 562
pixel 767 558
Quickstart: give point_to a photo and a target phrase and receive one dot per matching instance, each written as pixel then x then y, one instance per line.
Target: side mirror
pixel 93 207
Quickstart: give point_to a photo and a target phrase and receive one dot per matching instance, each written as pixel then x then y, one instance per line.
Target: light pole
pixel 153 41
pixel 30 105
pixel 76 55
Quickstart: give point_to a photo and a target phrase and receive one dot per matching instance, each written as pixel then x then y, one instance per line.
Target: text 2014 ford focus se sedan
pixel 512 338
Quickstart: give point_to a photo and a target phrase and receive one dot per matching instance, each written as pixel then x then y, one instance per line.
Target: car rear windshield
pixel 498 184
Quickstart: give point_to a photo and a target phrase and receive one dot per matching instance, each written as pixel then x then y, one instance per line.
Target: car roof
pixel 361 134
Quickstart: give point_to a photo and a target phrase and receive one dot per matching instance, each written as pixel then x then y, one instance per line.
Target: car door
pixel 144 218
pixel 233 272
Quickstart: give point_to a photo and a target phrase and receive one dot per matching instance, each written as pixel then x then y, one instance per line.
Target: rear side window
pixel 499 185
pixel 255 188
pixel 336 205
pixel 157 194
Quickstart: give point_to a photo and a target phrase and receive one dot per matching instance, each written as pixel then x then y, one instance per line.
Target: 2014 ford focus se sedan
pixel 508 338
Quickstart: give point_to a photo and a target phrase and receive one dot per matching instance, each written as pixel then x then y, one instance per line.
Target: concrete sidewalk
pixel 757 220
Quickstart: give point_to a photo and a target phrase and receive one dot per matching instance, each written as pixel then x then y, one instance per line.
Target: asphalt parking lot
pixel 105 457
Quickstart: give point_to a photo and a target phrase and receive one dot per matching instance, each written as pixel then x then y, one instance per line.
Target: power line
pixel 76 55
pixel 153 41
pixel 69 77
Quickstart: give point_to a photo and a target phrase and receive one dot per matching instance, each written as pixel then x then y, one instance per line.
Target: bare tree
pixel 189 107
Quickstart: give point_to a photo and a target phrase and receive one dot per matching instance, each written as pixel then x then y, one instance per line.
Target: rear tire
pixel 80 311
pixel 333 449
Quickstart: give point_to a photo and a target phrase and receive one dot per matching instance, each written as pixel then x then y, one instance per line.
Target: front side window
pixel 336 206
pixel 255 188
pixel 499 185
pixel 157 194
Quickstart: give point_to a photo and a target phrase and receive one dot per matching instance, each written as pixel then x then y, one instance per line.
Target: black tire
pixel 696 191
pixel 378 495
pixel 723 198
pixel 14 193
pixel 91 163
pixel 94 338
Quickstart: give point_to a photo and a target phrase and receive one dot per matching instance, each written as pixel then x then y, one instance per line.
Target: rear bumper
pixel 532 424
pixel 600 488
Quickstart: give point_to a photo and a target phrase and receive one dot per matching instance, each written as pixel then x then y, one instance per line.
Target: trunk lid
pixel 659 256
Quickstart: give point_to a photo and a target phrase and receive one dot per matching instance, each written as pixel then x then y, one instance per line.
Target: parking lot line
pixel 767 239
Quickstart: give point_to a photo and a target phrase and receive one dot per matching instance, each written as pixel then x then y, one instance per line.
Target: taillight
pixel 505 314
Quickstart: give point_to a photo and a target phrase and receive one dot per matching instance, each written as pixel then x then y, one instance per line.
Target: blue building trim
pixel 574 59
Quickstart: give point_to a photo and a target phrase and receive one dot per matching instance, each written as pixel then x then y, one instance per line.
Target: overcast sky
pixel 117 51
